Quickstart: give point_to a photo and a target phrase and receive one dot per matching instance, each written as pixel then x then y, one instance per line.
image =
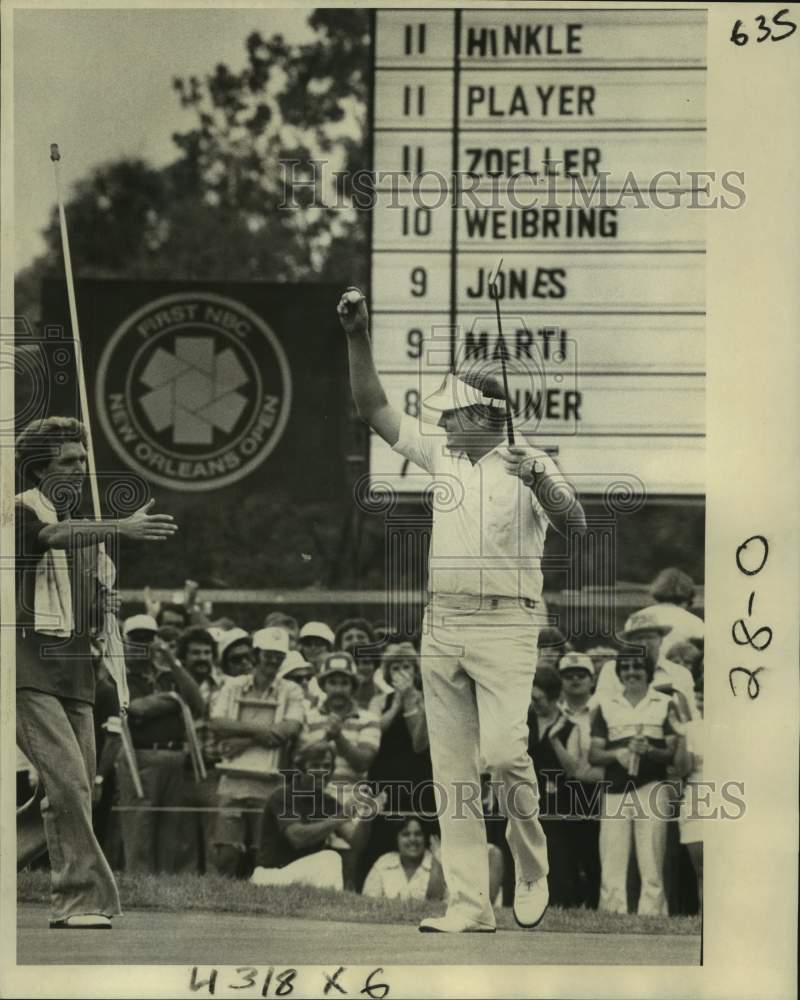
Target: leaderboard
pixel 563 142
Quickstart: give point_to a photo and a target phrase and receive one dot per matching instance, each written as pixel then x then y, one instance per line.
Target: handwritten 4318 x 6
pixel 272 982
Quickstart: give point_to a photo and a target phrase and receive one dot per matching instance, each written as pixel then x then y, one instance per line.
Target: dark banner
pixel 227 402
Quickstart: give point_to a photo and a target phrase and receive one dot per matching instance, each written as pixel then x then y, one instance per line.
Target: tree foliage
pixel 222 207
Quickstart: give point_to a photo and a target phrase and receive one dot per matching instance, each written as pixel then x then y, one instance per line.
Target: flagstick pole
pixel 494 293
pixel 111 641
pixel 55 156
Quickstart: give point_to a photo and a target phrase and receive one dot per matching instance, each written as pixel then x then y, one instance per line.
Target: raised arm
pixel 556 496
pixel 370 399
pixel 139 526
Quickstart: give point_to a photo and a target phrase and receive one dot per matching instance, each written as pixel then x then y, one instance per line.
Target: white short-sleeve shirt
pixel 488 527
pixel 388 880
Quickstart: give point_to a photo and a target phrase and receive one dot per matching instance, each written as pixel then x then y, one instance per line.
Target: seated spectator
pixel 644 627
pixel 355 636
pixel 689 765
pixel 278 619
pixel 255 717
pixel 235 652
pixel 560 760
pixel 354 733
pixel 410 872
pixel 673 593
pixel 165 701
pixel 316 641
pixel 300 821
pixel 633 739
pixel 297 669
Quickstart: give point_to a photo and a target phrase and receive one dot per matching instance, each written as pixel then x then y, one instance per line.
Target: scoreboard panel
pixel 563 141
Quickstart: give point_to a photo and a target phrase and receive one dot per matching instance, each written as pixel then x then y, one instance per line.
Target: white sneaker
pixel 530 902
pixel 452 923
pixel 83 921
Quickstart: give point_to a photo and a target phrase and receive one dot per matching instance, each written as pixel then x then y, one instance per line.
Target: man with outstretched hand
pixel 480 629
pixel 60 604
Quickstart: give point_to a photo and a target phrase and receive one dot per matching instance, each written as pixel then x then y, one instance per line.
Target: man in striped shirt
pixel 353 733
pixel 252 748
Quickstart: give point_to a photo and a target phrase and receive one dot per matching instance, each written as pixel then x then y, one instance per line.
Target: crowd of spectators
pixel 299 753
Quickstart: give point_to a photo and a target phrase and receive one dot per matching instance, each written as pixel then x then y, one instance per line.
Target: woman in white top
pixel 410 872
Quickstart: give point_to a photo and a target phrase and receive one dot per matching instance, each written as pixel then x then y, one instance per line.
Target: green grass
pixel 180 893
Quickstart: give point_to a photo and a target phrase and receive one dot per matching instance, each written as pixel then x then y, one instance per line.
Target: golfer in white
pixel 481 626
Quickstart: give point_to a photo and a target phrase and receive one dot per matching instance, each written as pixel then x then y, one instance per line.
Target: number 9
pixel 419 282
pixel 414 338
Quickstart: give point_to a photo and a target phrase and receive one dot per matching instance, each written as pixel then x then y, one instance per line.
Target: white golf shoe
pixel 454 923
pixel 530 902
pixel 82 921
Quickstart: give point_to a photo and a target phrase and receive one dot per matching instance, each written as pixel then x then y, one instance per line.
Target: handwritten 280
pixel 751 558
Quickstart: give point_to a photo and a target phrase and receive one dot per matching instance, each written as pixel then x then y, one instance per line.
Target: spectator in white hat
pixel 297 669
pixel 139 630
pixel 353 732
pixel 255 718
pixel 279 619
pixel 648 628
pixel 235 652
pixel 316 641
pixel 577 676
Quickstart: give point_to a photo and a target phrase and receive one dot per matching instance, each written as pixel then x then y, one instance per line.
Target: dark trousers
pixel 154 838
pixel 198 828
pixel 573 854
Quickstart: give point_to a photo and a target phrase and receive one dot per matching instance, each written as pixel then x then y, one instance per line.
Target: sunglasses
pixel 240 658
pixel 576 674
pixel 627 668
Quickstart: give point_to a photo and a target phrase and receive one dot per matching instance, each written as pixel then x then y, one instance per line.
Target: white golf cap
pixel 216 633
pixel 455 394
pixel 576 661
pixel 272 640
pixel 139 623
pixel 229 638
pixel 647 620
pixel 294 661
pixel 317 630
